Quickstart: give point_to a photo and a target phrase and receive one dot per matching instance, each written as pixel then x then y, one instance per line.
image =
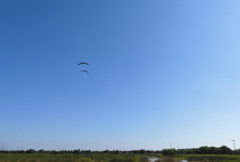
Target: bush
pixel 169 152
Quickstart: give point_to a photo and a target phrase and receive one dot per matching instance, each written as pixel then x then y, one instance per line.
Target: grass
pixel 71 158
pixel 107 157
pixel 168 159
pixel 209 158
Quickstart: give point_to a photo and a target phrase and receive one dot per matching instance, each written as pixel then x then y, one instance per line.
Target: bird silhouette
pixel 84 71
pixel 83 63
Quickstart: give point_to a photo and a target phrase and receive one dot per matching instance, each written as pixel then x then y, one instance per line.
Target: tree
pixel 169 152
pixel 76 151
pixel 30 151
pixel 142 151
pixel 225 150
pixel 41 151
pixel 203 150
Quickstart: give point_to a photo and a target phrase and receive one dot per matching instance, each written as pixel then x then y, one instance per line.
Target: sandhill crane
pixel 84 71
pixel 83 63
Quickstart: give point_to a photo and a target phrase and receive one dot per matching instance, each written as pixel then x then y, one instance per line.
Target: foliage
pixel 207 150
pixel 169 152
pixel 30 151
pixel 93 157
pixel 209 158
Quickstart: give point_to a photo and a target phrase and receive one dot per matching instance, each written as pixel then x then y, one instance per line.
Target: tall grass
pixel 168 159
pixel 210 158
pixel 216 158
pixel 71 158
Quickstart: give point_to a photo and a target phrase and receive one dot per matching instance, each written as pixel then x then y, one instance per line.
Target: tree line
pixel 201 150
pixel 78 151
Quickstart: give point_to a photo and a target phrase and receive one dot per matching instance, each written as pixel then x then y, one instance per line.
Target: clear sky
pixel 161 73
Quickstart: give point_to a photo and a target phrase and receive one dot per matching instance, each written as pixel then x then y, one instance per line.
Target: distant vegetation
pixel 71 158
pixel 74 156
pixel 201 150
pixel 201 154
pixel 78 151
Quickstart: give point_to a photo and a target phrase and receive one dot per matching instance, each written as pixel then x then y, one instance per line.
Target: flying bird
pixel 83 63
pixel 84 71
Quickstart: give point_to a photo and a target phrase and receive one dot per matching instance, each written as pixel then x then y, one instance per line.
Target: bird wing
pixel 84 71
pixel 83 63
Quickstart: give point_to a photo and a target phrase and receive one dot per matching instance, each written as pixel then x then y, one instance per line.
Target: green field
pixel 105 157
pixel 72 158
pixel 209 158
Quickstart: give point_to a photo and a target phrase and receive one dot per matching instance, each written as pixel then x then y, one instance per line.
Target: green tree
pixel 30 151
pixel 169 152
pixel 225 150
pixel 203 150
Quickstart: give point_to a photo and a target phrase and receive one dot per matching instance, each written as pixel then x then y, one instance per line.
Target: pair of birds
pixel 85 64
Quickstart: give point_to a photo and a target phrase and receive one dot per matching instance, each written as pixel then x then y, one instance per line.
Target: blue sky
pixel 161 73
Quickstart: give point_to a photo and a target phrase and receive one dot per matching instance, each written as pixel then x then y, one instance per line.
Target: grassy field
pixel 71 158
pixel 99 157
pixel 209 158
